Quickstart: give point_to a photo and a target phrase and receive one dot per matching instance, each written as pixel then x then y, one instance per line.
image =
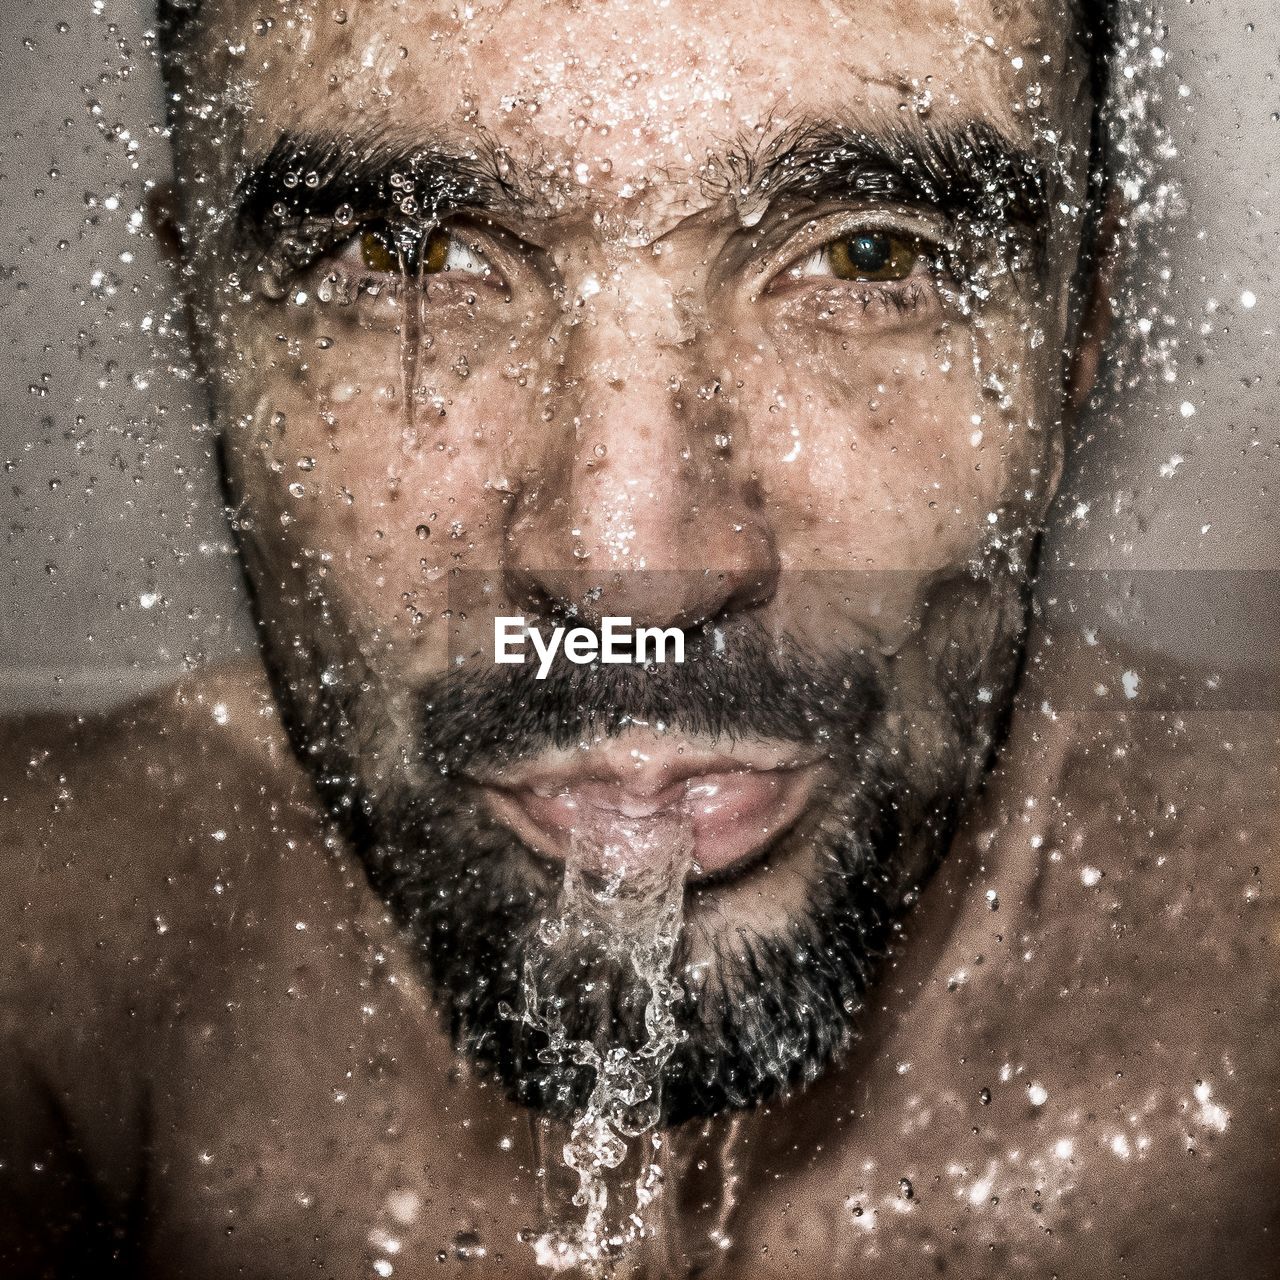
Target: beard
pixel 763 1012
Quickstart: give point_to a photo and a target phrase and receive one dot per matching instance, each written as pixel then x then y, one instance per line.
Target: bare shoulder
pixel 123 839
pixel 124 795
pixel 1161 773
pixel 116 829
pixel 1159 794
pixel 1153 934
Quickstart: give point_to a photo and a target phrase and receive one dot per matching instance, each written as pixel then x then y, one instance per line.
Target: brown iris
pixel 388 251
pixel 873 256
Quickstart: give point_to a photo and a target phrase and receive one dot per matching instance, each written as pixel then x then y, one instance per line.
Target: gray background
pixel 117 571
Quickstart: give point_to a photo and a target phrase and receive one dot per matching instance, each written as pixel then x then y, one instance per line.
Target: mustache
pixel 737 682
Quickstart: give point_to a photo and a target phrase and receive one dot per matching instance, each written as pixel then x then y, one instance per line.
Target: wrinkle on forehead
pixel 608 59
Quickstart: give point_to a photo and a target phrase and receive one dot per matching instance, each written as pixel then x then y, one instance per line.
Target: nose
pixel 640 503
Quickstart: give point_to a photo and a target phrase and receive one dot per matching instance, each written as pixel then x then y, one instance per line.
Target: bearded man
pixel 882 930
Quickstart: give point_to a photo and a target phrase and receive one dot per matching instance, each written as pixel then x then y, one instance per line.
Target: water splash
pixel 621 902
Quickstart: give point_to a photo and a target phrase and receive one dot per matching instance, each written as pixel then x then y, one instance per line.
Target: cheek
pixel 359 504
pixel 871 457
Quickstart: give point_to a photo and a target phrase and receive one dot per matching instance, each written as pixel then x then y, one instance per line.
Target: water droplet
pixel 468 1247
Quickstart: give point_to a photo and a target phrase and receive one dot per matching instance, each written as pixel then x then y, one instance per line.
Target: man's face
pixel 746 320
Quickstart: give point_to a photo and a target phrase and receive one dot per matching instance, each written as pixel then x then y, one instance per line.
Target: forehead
pixel 626 89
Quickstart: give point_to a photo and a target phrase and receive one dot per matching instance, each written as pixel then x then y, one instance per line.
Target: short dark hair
pixel 172 17
pixel 1096 31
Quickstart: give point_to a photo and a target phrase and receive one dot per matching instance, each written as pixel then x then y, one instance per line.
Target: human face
pixel 749 321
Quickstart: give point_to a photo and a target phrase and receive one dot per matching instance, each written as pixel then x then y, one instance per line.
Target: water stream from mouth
pixel 621 903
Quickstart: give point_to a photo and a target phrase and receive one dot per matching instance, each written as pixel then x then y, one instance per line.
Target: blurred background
pixel 118 572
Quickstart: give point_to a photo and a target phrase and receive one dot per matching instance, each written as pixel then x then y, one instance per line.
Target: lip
pixel 733 802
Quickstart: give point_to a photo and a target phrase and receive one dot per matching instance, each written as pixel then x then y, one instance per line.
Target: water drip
pixel 412 304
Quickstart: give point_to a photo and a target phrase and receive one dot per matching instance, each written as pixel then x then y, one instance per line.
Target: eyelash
pixel 904 297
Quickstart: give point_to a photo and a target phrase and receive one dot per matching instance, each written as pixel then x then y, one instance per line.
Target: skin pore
pixel 755 321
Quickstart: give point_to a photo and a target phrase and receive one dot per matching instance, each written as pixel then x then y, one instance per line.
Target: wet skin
pixel 228 1059
pixel 229 1065
pixel 656 403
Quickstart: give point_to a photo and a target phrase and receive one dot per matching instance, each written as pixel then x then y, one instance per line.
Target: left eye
pixel 412 252
pixel 870 256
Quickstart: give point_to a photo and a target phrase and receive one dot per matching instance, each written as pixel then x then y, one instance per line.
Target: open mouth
pixel 734 801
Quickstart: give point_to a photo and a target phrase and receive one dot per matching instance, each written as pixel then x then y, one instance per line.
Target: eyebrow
pixel 966 172
pixel 313 176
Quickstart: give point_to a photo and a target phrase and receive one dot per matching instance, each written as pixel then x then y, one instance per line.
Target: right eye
pixel 413 252
pixel 865 257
